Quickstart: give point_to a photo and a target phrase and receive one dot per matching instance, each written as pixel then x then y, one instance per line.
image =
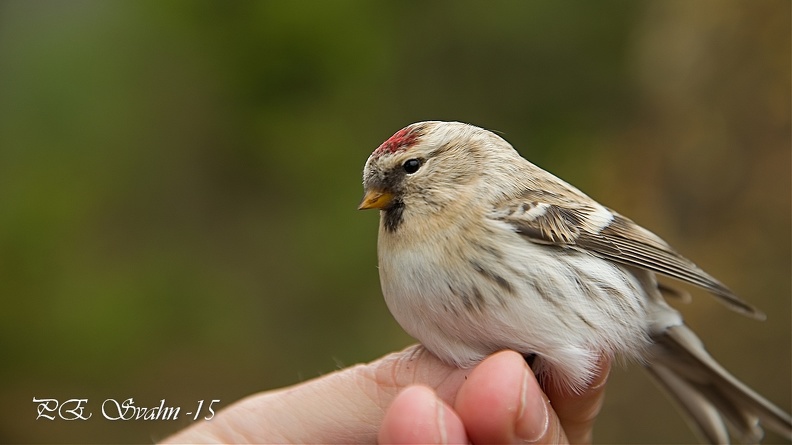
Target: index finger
pixel 577 412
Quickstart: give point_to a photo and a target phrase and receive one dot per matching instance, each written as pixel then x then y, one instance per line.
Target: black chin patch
pixel 394 216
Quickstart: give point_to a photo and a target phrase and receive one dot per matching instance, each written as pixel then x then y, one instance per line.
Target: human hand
pixel 499 402
pixel 408 396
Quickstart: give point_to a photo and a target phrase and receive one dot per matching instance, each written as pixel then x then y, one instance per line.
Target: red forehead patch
pixel 402 140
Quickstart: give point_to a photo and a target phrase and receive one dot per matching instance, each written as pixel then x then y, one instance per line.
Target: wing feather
pixel 547 218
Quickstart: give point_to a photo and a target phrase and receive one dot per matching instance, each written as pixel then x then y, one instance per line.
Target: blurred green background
pixel 179 181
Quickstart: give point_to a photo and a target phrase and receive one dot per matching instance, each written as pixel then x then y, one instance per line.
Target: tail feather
pixel 702 416
pixel 712 397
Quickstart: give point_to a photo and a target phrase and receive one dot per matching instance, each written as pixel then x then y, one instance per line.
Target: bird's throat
pixel 393 215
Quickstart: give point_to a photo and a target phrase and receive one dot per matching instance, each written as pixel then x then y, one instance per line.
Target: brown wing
pixel 547 218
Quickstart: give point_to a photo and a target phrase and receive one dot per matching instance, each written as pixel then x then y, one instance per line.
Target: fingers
pixel 417 415
pixel 577 412
pixel 501 402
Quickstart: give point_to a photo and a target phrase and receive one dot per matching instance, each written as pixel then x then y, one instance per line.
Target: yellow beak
pixel 375 199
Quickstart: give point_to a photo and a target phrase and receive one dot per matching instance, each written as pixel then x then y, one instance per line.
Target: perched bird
pixel 480 250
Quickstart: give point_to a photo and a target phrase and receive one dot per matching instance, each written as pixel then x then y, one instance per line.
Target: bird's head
pixel 429 167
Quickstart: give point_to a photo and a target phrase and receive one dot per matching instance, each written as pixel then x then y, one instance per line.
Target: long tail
pixel 712 397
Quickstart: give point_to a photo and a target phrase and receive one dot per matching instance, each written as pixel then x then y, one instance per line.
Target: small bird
pixel 480 250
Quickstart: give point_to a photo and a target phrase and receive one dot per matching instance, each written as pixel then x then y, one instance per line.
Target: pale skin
pixel 411 397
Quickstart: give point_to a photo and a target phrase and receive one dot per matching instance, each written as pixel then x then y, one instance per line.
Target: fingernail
pixel 441 422
pixel 533 419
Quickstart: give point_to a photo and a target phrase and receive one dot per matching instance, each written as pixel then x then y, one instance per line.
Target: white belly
pixel 564 306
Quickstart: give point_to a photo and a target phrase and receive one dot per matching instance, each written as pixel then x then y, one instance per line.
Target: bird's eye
pixel 411 166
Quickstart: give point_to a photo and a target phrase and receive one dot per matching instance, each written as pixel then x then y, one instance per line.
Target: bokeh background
pixel 179 181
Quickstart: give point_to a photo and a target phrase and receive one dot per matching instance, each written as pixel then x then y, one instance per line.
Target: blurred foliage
pixel 178 180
